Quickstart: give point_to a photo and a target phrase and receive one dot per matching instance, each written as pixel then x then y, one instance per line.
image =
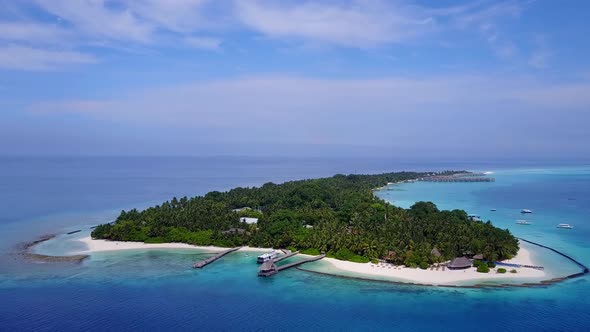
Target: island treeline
pixel 339 215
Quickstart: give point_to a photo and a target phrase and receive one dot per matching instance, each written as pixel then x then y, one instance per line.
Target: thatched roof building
pixel 459 263
pixel 267 268
pixel 478 256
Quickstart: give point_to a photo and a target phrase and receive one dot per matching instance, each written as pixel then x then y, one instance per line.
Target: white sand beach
pixel 364 270
pixel 439 277
pixel 105 245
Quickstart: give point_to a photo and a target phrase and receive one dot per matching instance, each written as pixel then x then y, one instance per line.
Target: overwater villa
pixel 267 269
pixel 459 263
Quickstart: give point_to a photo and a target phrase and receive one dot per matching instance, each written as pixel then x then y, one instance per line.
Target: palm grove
pixel 338 215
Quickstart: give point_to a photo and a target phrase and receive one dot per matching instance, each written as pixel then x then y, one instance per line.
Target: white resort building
pixel 249 220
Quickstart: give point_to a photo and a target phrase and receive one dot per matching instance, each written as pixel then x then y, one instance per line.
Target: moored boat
pixel 523 222
pixel 566 226
pixel 268 256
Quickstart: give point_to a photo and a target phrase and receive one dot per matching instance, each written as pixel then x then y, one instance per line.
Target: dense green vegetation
pixel 338 215
pixel 483 268
pixel 501 270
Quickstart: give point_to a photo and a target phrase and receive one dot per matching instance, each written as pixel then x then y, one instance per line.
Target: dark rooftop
pixel 267 266
pixel 460 263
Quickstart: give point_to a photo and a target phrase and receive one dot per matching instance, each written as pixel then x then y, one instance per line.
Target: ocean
pixel 158 290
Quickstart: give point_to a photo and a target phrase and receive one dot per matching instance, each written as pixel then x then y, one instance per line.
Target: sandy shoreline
pixel 105 245
pixel 438 277
pixel 363 270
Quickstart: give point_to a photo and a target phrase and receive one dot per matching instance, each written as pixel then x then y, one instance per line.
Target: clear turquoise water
pixel 158 290
pixel 556 195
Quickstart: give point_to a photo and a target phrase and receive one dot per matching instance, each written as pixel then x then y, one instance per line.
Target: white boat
pixel 523 222
pixel 566 226
pixel 526 211
pixel 268 256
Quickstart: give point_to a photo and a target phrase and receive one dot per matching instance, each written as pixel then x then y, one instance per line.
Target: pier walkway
pixel 456 179
pixel 287 255
pixel 210 260
pixel 269 268
pixel 520 265
pixel 571 276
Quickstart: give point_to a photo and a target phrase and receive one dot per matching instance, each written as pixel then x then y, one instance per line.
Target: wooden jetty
pixel 205 262
pixel 575 275
pixel 457 179
pixel 269 268
pixel 287 255
pixel 74 232
pixel 469 174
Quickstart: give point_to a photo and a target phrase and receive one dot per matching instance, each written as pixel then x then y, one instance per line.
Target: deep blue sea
pixel 158 290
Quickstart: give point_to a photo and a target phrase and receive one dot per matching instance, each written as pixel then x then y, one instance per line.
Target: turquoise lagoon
pixel 158 289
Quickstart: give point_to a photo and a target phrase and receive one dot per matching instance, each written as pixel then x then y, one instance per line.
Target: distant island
pixel 338 215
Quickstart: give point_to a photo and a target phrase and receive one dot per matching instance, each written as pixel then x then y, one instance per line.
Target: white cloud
pixel 313 24
pixel 96 19
pixel 481 13
pixel 28 58
pixel 444 111
pixel 360 24
pixel 206 43
pixel 259 99
pixel 174 15
pixel 369 24
pixel 484 18
pixel 119 24
pixel 32 32
pixel 128 20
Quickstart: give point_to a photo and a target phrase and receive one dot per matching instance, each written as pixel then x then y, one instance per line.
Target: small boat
pixel 493 210
pixel 526 211
pixel 566 226
pixel 523 222
pixel 268 256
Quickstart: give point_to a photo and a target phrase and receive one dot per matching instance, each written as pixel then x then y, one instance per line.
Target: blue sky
pixel 487 79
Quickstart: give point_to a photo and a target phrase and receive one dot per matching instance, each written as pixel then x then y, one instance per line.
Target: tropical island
pixel 339 216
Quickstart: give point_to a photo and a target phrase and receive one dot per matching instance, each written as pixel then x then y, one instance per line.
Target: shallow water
pixel 158 289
